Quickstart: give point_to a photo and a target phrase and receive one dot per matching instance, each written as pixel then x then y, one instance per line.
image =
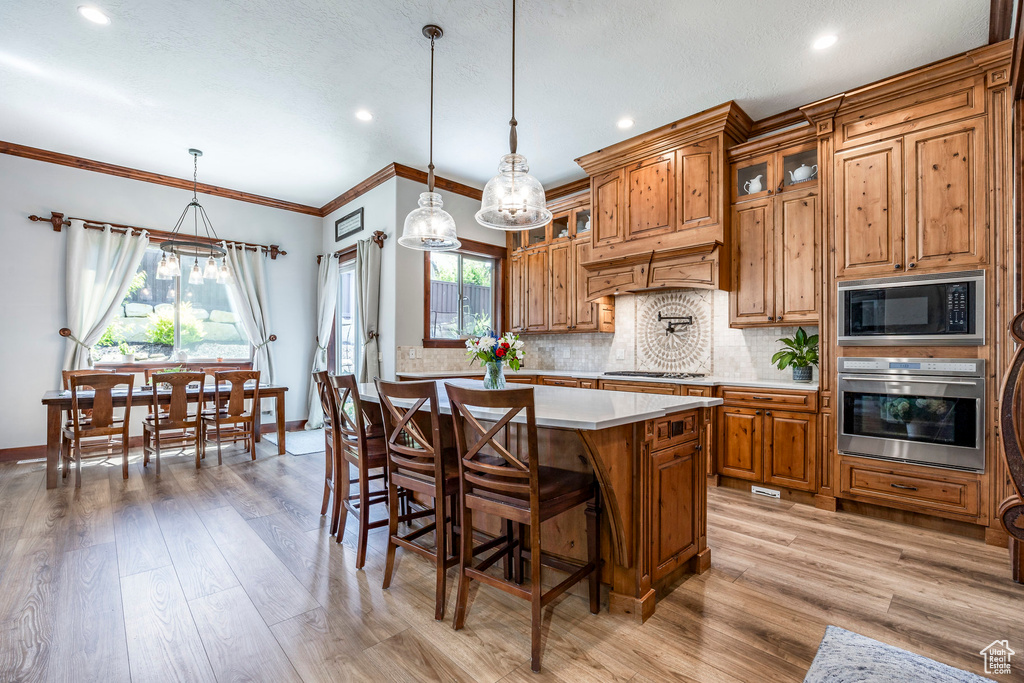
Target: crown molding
pixel 396 170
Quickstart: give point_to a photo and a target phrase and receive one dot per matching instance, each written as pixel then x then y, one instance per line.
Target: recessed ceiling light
pixel 825 41
pixel 364 115
pixel 94 15
pixel 625 123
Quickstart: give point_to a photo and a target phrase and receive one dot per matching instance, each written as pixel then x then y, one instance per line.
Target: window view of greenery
pixel 347 325
pixel 208 325
pixel 461 295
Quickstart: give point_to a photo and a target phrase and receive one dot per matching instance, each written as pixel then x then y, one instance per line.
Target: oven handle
pixel 907 380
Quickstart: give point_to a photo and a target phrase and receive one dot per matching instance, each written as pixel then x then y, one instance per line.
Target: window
pixel 463 293
pixel 159 318
pixel 346 318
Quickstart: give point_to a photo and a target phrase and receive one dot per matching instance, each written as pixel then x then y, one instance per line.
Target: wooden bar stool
pixel 229 417
pixel 363 447
pixel 331 448
pixel 101 421
pixel 182 426
pixel 496 482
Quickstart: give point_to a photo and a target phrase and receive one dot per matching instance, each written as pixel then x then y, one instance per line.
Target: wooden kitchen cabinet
pixel 606 192
pixel 561 297
pixel 790 440
pixel 676 478
pixel 535 289
pixel 741 453
pixel 650 197
pixel 515 294
pixel 640 387
pixel 753 296
pixel 698 173
pixel 797 226
pixel 587 315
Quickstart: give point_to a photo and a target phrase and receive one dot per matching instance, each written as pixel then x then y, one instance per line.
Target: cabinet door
pixel 674 484
pixel 797 276
pixel 741 452
pixel 606 192
pixel 515 293
pixel 697 168
pixel 651 197
pixel 789 448
pixel 946 215
pixel 560 302
pixel 584 313
pixel 869 210
pixel 752 297
pixel 535 290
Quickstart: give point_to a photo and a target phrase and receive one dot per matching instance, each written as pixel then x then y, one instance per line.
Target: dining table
pixel 58 402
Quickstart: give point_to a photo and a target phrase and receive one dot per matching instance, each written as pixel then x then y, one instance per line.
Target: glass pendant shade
pixel 513 199
pixel 173 266
pixel 430 227
pixel 163 271
pixel 195 277
pixel 224 274
pixel 210 272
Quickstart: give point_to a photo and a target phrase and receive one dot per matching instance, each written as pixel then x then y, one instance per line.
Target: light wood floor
pixel 229 574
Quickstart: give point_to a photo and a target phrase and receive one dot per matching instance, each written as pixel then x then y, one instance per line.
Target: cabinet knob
pixel 911 265
pixel 771 317
pixel 767 412
pixel 780 318
pixel 757 412
pixel 896 266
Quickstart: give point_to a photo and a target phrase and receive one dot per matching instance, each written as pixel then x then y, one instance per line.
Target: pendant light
pixel 430 227
pixel 179 247
pixel 513 199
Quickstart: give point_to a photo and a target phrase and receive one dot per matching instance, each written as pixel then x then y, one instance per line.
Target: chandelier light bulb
pixel 195 277
pixel 173 266
pixel 210 272
pixel 163 271
pixel 224 274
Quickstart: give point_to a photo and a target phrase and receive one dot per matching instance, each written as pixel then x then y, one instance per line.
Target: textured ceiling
pixel 268 89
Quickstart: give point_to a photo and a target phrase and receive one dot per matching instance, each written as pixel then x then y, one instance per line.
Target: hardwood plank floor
pixel 228 573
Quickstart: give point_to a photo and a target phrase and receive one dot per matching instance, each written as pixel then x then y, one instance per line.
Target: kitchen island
pixel 645 451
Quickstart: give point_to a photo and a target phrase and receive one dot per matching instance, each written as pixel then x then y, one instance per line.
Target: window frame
pixel 344 256
pixel 469 248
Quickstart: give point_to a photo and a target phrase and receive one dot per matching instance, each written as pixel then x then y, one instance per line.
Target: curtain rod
pixel 378 238
pixel 58 221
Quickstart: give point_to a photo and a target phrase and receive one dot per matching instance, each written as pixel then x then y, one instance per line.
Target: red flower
pixel 504 345
pixel 500 351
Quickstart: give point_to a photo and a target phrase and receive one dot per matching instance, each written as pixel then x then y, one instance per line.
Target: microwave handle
pixel 908 380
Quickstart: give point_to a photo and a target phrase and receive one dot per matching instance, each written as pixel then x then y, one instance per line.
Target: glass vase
pixel 494 375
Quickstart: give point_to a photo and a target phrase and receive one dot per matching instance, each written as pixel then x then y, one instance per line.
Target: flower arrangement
pixel 491 348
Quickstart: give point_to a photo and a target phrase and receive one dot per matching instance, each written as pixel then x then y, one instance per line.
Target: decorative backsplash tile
pixel 707 346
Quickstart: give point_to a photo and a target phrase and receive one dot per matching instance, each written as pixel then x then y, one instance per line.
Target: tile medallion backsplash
pixel 707 346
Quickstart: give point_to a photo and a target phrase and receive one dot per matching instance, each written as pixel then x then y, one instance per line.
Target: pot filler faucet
pixel 674 321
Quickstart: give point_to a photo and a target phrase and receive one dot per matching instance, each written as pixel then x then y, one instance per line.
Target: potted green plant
pixel 801 352
pixel 127 352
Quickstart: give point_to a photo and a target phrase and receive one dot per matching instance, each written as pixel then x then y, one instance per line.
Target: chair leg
pixel 465 559
pixel 536 613
pixel 594 550
pixel 389 566
pixel 342 491
pixel 78 464
pixel 146 446
pixel 220 461
pixel 124 456
pixel 65 456
pixel 156 450
pixel 364 516
pixel 252 438
pixel 440 556
pixel 328 479
pixel 519 566
pixel 199 441
pixel 509 560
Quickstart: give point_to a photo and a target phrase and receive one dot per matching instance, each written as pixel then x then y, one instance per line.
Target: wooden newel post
pixel 1011 511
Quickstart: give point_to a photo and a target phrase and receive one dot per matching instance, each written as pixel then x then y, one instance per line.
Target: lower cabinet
pixel 741 454
pixel 560 381
pixel 676 478
pixel 640 387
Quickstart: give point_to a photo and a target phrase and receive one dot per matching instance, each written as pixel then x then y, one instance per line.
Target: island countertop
pixel 707 381
pixel 569 408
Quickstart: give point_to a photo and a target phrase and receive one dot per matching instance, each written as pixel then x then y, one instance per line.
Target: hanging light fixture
pixel 513 199
pixel 430 227
pixel 178 247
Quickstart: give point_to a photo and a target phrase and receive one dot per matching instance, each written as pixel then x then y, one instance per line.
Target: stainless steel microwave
pixel 946 309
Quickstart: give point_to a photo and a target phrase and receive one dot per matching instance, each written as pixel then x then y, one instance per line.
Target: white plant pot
pixel 127 357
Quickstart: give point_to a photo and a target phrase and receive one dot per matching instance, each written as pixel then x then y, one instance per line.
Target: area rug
pixel 847 657
pixel 300 442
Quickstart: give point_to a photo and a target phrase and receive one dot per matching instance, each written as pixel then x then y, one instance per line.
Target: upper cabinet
pixel 916 202
pixel 776 232
pixel 651 197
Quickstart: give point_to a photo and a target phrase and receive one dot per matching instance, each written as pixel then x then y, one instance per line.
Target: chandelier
pixel 513 199
pixel 179 248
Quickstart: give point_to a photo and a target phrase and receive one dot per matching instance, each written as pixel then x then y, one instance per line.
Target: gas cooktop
pixel 661 375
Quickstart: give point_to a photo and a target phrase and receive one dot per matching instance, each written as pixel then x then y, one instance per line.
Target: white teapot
pixel 803 173
pixel 753 186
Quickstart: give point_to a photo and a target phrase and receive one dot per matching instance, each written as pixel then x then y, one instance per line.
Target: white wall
pixel 32 276
pixel 401 300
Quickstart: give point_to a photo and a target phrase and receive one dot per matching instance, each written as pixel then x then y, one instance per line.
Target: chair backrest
pixel 326 393
pixel 177 409
pixel 235 397
pixel 484 463
pixel 351 424
pixel 102 418
pixel 66 375
pixel 413 448
pixel 150 371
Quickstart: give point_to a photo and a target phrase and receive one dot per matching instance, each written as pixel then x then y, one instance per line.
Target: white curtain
pixel 252 301
pixel 100 267
pixel 327 281
pixel 368 303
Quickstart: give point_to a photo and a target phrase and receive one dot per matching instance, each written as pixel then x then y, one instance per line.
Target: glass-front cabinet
pixel 793 168
pixel 754 178
pixel 570 219
pixel 799 167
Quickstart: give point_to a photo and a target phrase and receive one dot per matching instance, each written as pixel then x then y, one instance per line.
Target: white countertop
pixel 569 408
pixel 708 381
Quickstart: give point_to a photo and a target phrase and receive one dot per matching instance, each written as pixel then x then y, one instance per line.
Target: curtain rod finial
pixel 378 238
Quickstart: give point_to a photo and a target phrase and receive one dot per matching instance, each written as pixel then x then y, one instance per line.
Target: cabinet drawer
pixel 560 381
pixel 918 490
pixel 788 399
pixel 521 380
pixel 588 384
pixel 640 387
pixel 677 429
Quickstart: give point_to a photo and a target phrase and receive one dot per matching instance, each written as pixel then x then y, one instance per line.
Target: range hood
pixel 687 267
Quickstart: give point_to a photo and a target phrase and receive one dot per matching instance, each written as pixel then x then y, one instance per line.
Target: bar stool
pixel 100 421
pixel 496 482
pixel 230 419
pixel 362 446
pixel 331 448
pixel 183 426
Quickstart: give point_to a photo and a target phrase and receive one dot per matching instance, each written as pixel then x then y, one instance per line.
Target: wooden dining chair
pixel 362 446
pixel 229 418
pixel 331 448
pixel 495 481
pixel 107 444
pixel 101 421
pixel 177 421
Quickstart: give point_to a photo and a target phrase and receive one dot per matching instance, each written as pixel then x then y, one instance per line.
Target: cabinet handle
pixel 767 412
pixel 757 412
pixel 911 265
pixel 761 398
pixel 698 447
pixel 779 188
pixel 780 319
pixel 903 487
pixel 771 317
pixel 896 266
